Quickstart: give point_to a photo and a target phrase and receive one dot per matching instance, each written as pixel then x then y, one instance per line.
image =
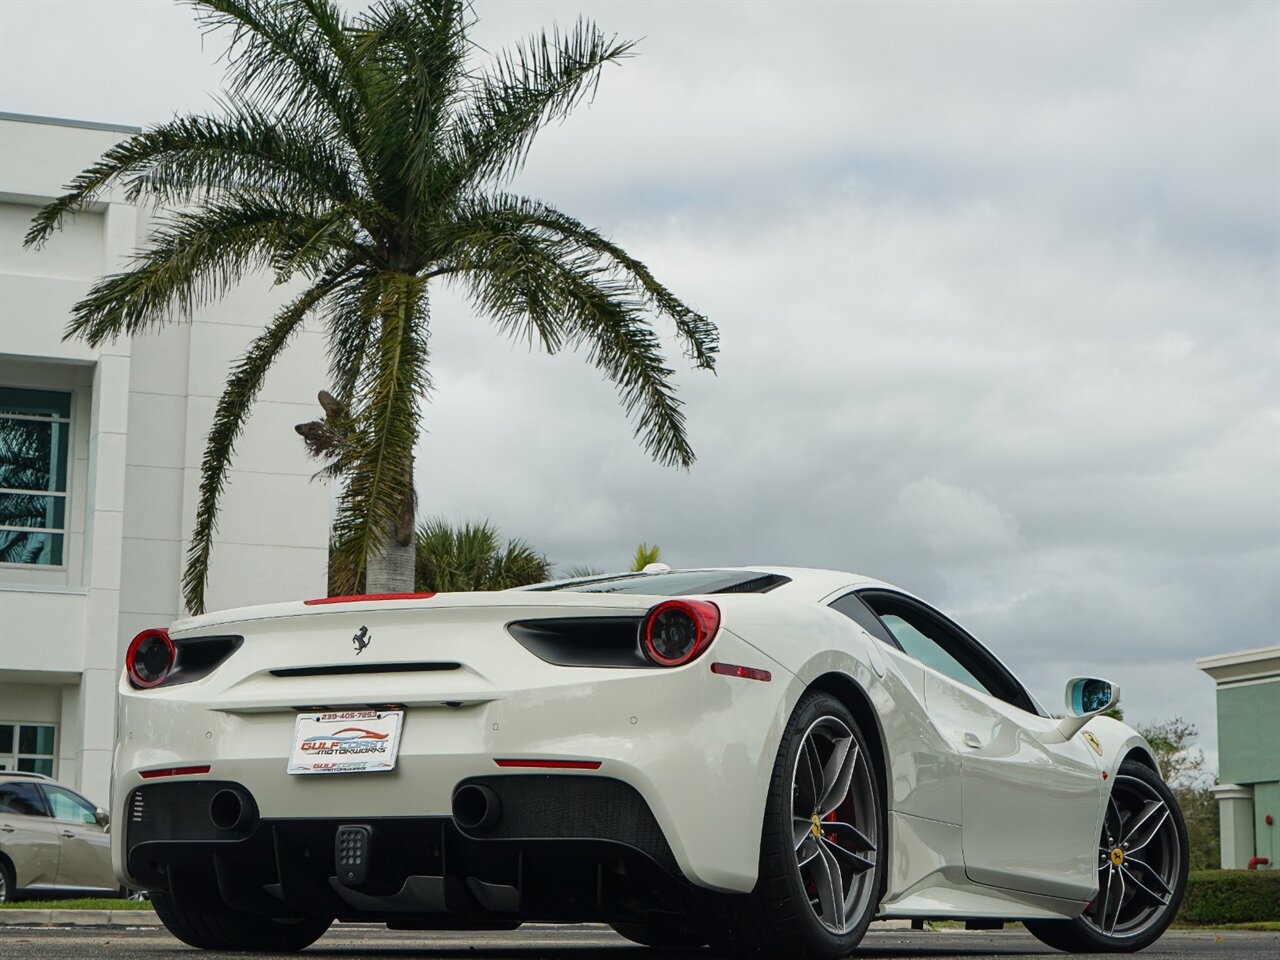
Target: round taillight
pixel 676 632
pixel 150 658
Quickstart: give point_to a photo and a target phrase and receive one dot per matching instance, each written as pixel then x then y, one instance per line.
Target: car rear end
pixel 445 760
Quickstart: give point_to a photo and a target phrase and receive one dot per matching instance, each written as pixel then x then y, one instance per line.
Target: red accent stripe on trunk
pixel 172 772
pixel 552 764
pixel 359 597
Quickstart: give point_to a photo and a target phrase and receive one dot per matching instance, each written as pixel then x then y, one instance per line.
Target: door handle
pixel 8 829
pixel 972 740
pixel 68 834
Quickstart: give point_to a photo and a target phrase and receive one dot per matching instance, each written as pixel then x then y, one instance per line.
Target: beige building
pixel 100 453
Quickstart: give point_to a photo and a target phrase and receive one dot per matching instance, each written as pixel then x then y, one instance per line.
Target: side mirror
pixel 103 818
pixel 1086 698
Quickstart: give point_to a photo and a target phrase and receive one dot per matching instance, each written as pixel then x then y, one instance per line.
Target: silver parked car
pixel 51 839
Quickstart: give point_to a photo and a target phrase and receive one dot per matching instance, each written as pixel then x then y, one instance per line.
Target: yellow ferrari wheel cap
pixel 1117 856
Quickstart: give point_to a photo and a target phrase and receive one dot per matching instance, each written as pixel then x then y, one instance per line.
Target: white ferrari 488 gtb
pixel 760 759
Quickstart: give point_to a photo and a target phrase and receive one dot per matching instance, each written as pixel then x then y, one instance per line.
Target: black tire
pixel 236 930
pixel 1140 920
pixel 778 918
pixel 666 936
pixel 8 886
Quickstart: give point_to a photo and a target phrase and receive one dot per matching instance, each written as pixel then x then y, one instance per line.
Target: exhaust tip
pixel 232 810
pixel 476 807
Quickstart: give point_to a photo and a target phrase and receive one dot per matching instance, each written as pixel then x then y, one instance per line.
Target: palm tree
pixel 645 555
pixel 363 156
pixel 470 558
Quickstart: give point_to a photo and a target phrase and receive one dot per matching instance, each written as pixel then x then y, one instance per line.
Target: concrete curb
pixel 17 917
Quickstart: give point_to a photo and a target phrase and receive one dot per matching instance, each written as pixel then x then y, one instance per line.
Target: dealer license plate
pixel 350 741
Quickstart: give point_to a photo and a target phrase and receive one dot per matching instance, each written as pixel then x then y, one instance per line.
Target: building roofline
pixel 64 122
pixel 1257 664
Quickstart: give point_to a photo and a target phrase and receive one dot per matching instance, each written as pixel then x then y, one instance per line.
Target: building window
pixel 35 429
pixel 27 746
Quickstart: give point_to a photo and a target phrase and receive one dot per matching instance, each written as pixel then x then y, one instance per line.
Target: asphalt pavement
pixel 585 942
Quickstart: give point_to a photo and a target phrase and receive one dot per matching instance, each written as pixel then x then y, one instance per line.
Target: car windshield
pixel 677 583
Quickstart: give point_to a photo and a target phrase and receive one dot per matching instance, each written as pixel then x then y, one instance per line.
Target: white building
pixel 100 453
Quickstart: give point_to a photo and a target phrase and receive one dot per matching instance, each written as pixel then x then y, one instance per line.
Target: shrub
pixel 1231 896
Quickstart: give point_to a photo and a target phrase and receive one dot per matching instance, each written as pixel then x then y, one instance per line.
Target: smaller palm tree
pixel 470 557
pixel 645 555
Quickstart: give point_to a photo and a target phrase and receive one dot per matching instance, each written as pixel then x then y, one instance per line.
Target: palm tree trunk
pixel 392 568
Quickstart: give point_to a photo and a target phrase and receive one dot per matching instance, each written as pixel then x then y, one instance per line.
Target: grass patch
pixel 80 903
pixel 1267 926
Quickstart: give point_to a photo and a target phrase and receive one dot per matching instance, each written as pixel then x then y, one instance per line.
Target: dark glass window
pixel 677 583
pixel 858 612
pixel 35 428
pixel 23 799
pixel 933 640
pixel 27 746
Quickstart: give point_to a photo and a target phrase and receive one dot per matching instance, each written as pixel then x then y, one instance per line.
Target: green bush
pixel 1231 896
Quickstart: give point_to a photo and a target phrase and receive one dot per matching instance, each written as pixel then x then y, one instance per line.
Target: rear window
pixel 677 583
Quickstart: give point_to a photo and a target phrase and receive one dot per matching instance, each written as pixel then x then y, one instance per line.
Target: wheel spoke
pixel 830 889
pixel 856 861
pixel 1144 817
pixel 807 850
pixel 1133 879
pixel 850 836
pixel 837 775
pixel 809 776
pixel 1110 928
pixel 801 829
pixel 1151 873
pixel 1148 834
pixel 1115 820
pixel 1104 881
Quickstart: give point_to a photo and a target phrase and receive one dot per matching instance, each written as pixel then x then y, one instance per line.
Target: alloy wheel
pixel 833 821
pixel 1138 861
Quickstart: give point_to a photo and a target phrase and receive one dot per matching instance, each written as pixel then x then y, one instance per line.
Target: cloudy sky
pixel 997 286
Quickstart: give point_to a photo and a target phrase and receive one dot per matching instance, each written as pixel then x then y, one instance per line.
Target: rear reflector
pixel 172 772
pixel 361 597
pixel 552 764
pixel 745 673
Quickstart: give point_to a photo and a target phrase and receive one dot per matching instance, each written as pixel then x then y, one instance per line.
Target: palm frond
pixel 533 285
pixel 700 335
pixel 188 157
pixel 281 58
pixel 414 51
pixel 471 557
pixel 533 84
pixel 242 388
pixel 351 318
pixel 196 256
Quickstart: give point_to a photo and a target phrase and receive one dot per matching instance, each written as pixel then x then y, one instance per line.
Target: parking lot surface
pixel 586 942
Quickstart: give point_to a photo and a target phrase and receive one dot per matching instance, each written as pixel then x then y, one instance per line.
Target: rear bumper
pixel 566 848
pixel 697 748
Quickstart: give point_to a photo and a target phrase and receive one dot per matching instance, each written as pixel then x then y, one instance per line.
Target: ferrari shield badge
pixel 1092 741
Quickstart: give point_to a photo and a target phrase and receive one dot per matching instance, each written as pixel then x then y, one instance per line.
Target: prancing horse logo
pixel 361 640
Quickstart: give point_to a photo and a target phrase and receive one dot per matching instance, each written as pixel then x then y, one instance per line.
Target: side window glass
pixel 928 652
pixel 22 799
pixel 859 613
pixel 67 806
